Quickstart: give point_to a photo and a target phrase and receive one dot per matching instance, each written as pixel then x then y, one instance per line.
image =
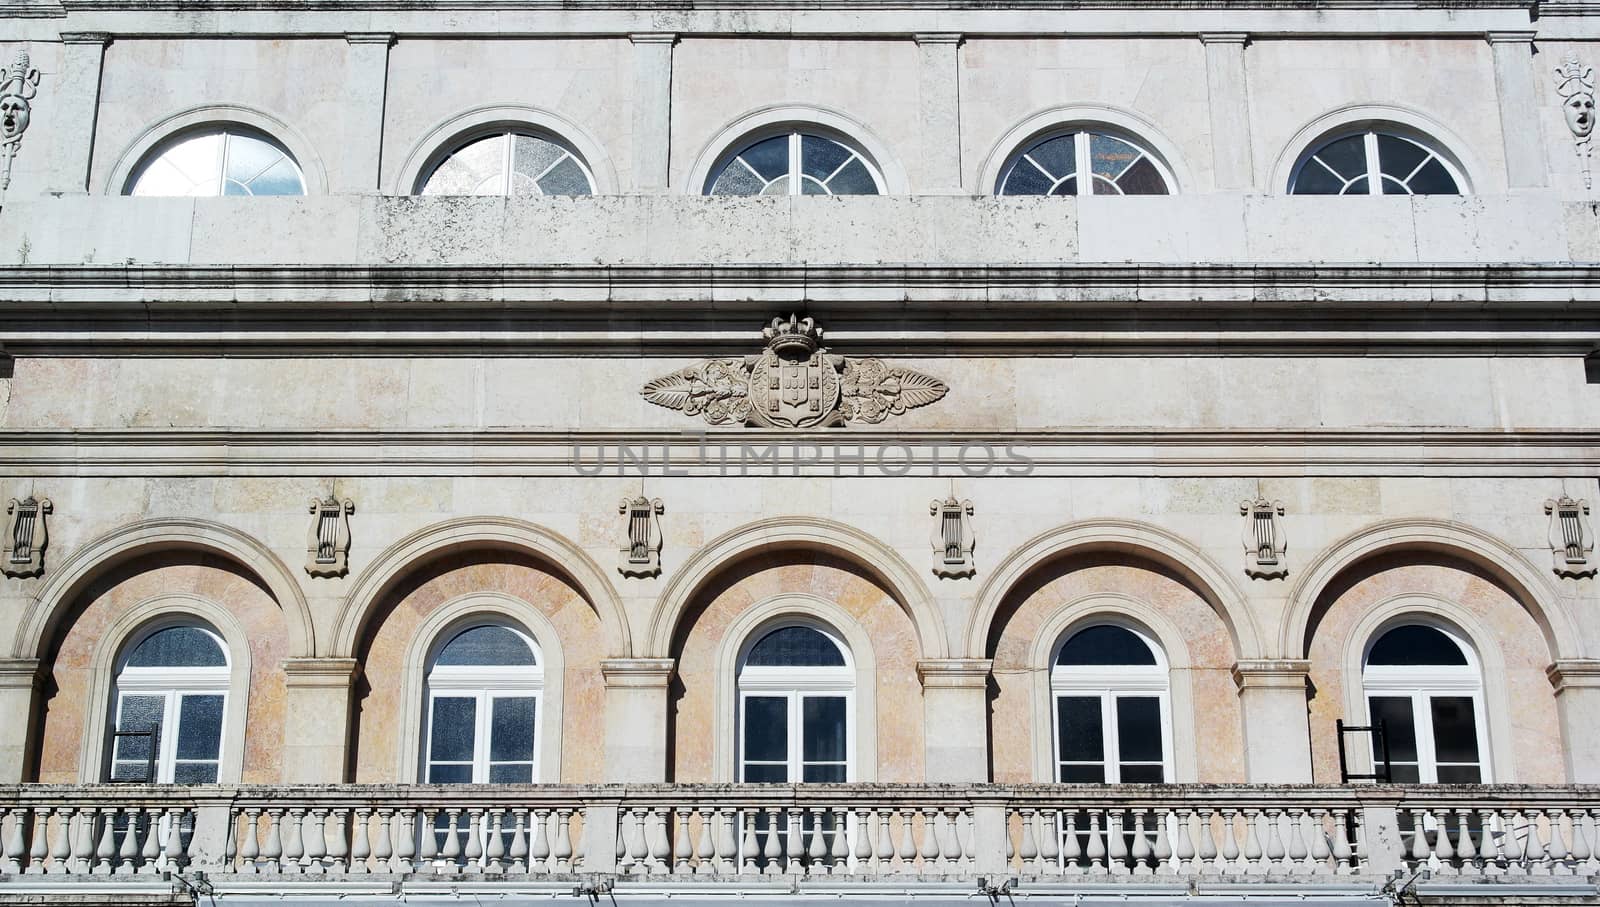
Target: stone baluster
pixel 1276 853
pixel 1183 842
pixel 272 843
pixel 816 850
pixel 404 833
pixel 928 846
pixel 1230 844
pixel 450 854
pixel 11 846
pixel 682 846
pixel 624 841
pixel 1581 851
pixel 1206 852
pixel 562 849
pixel 638 846
pixel 128 853
pixel 772 851
pixel 472 852
pixel 175 857
pixel 1466 848
pixel 105 853
pixel 40 848
pixel 839 847
pixel 1420 851
pixel 905 852
pixel 1252 842
pixel 660 843
pixel 950 841
pixel 793 846
pixel 1096 849
pixel 1321 848
pixel 1299 858
pixel 1071 847
pixel 383 841
pixel 150 847
pixel 338 842
pixel 293 840
pixel 428 840
pixel 968 832
pixel 1027 840
pixel 1444 852
pixel 884 852
pixel 1049 828
pixel 519 851
pixel 539 850
pixel 577 840
pixel 705 844
pixel 494 846
pixel 749 848
pixel 1556 853
pixel 1140 852
pixel 61 841
pixel 1116 843
pixel 1163 845
pixel 866 834
pixel 1342 850
pixel 727 840
pixel 1512 845
pixel 82 841
pixel 249 842
pixel 314 835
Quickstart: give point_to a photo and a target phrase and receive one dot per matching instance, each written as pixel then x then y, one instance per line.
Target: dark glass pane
pixel 1359 187
pixel 565 178
pixel 1399 773
pixel 766 774
pixel 449 774
pixel 823 718
pixel 1414 644
pixel 1083 774
pixel 1025 179
pixel 1142 774
pixel 487 645
pixel 810 186
pixel 1394 713
pixel 454 727
pixel 1081 738
pixel 132 772
pixel 819 157
pixel 1139 728
pixel 1108 157
pixel 795 646
pixel 823 774
pixel 511 774
pixel 140 713
pixel 1455 729
pixel 737 179
pixel 1434 179
pixel 511 729
pixel 1316 179
pixel 1142 179
pixel 1460 774
pixel 1105 645
pixel 1392 186
pixel 1067 187
pixel 194 773
pixel 766 728
pixel 1347 156
pixel 1058 156
pixel 853 179
pixel 770 158
pixel 178 647
pixel 1398 157
pixel 199 727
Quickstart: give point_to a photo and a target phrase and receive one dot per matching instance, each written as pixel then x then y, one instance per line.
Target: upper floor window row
pixel 229 159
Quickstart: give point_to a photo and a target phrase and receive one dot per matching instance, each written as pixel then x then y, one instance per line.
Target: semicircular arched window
pixel 509 163
pixel 795 687
pixel 223 160
pixel 1424 690
pixel 168 707
pixel 1112 713
pixel 795 163
pixel 482 707
pixel 1351 164
pixel 1084 163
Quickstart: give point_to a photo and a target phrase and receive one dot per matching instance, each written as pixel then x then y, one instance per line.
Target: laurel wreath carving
pixel 718 390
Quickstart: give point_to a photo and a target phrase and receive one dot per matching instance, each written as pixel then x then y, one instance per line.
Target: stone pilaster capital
pixel 86 37
pixel 319 673
pixel 385 39
pixel 1272 674
pixel 1574 674
pixel 667 38
pixel 938 37
pixel 1509 37
pixel 637 673
pixel 1225 37
pixel 20 674
pixel 955 673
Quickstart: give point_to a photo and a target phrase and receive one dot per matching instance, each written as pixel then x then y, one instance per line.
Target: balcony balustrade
pixel 745 833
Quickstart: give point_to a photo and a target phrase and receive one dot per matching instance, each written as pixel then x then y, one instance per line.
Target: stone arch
pixel 1525 582
pixel 126 543
pixel 883 563
pixel 1131 537
pixel 751 125
pixel 470 533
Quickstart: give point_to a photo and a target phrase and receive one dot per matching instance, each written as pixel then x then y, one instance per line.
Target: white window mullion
pixel 794 163
pixel 1085 176
pixel 167 758
pixel 1374 166
pixel 1108 736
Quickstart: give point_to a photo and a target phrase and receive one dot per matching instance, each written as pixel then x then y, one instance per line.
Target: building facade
pixel 881 452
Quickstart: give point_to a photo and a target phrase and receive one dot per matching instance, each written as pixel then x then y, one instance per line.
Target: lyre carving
pixel 1571 538
pixel 1265 545
pixel 951 538
pixel 642 556
pixel 27 536
pixel 328 539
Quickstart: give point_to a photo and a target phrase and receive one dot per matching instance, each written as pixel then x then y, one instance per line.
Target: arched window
pixel 1057 165
pixel 1352 163
pixel 795 690
pixel 169 706
pixel 795 163
pixel 1423 686
pixel 509 162
pixel 1112 715
pixel 222 160
pixel 482 701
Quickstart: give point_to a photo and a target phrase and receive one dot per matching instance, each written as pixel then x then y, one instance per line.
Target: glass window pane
pixel 766 774
pixel 1415 644
pixel 1434 179
pixel 190 167
pixel 532 156
pixel 823 723
pixel 199 727
pixel 1394 713
pixel 820 157
pixel 1460 774
pixel 139 772
pixel 511 774
pixel 1398 157
pixel 766 728
pixel 1141 774
pixel 1058 156
pixel 823 774
pixel 282 178
pixel 486 645
pixel 1142 179
pixel 1139 728
pixel 1068 186
pixel 1105 645
pixel 178 647
pixel 566 178
pixel 1081 738
pixel 1358 187
pixel 194 773
pixel 1025 179
pixel 1455 729
pixel 770 157
pixel 249 157
pixel 1347 156
pixel 1402 773
pixel 1079 773
pixel 1315 179
pixel 140 713
pixel 450 774
pixel 793 647
pixel 1108 156
pixel 853 179
pixel 473 169
pixel 737 179
pixel 453 729
pixel 511 729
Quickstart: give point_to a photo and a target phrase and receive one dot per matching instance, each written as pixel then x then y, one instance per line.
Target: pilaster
pixel 316 719
pixel 652 111
pixel 1228 97
pixel 366 89
pixel 76 106
pixel 1277 728
pixel 1577 686
pixel 955 699
pixel 1519 109
pixel 20 683
pixel 939 100
pixel 636 718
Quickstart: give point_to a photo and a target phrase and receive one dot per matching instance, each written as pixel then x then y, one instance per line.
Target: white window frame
pixel 1084 159
pixel 1375 176
pixel 483 684
pixel 1109 683
pixel 172 684
pixel 507 139
pixel 796 684
pixel 223 133
pixel 1422 683
pixel 795 177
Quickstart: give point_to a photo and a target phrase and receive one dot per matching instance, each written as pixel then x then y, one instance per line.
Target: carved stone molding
pixel 794 383
pixel 951 538
pixel 641 557
pixel 1571 537
pixel 1575 84
pixel 16 110
pixel 27 536
pixel 328 539
pixel 1265 545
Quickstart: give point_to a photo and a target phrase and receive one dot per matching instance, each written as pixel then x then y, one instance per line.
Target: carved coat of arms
pixel 794 383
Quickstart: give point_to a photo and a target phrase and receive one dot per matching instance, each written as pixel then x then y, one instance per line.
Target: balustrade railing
pixel 703 832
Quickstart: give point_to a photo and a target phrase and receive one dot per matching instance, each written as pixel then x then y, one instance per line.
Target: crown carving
pixel 796 338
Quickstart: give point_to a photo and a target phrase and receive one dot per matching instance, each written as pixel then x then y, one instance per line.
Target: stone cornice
pixel 637 673
pixel 955 673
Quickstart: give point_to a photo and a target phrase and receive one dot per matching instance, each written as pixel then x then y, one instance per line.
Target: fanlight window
pixel 225 161
pixel 1425 690
pixel 1084 163
pixel 509 163
pixel 795 689
pixel 483 698
pixel 168 708
pixel 1353 164
pixel 797 163
pixel 1112 714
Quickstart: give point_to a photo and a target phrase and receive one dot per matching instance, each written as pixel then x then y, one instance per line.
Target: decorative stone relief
pixel 794 383
pixel 952 538
pixel 328 540
pixel 26 537
pixel 1265 546
pixel 1575 84
pixel 1571 538
pixel 642 557
pixel 16 110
